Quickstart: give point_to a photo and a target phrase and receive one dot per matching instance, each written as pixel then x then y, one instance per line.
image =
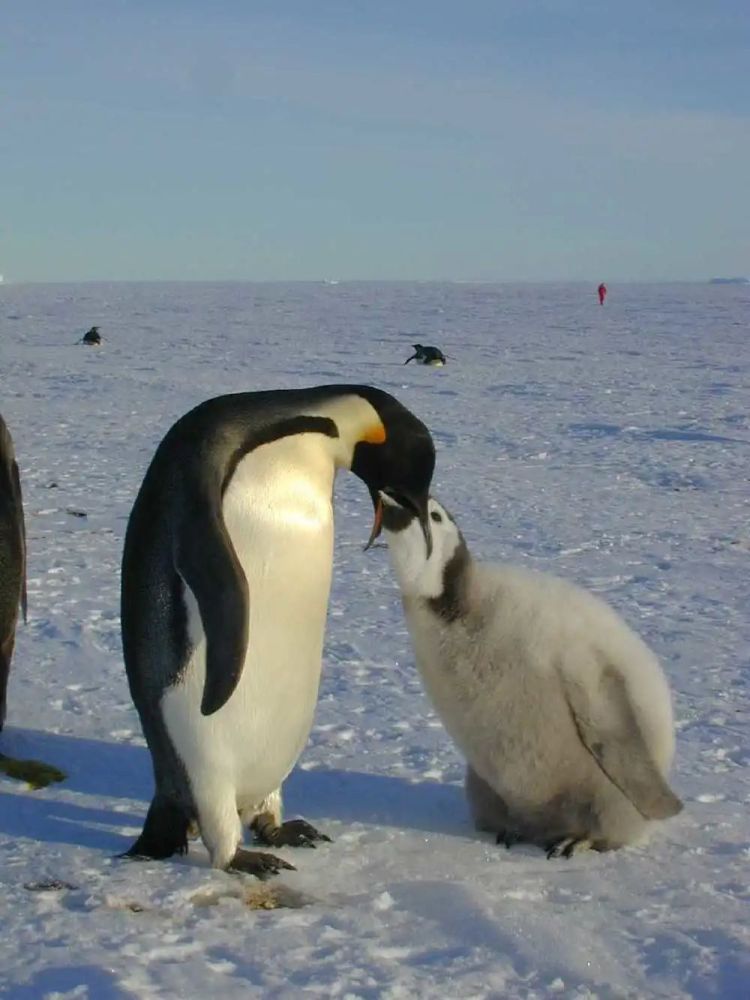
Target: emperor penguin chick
pixel 562 712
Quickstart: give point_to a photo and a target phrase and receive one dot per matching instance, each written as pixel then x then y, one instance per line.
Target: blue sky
pixel 561 139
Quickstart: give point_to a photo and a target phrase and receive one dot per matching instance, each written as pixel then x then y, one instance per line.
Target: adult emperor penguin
pixel 92 337
pixel 562 712
pixel 225 579
pixel 12 558
pixel 427 356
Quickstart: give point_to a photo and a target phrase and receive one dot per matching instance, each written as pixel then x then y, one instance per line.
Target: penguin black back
pixel 201 451
pixel 427 355
pixel 225 579
pixel 12 558
pixel 92 337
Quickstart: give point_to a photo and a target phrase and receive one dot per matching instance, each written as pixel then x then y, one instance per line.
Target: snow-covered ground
pixel 609 445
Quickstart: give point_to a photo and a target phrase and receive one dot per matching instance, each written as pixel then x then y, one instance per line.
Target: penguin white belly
pixel 278 513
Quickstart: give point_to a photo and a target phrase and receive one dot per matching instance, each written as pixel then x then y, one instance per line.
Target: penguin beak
pixel 424 523
pixel 377 524
pixel 416 507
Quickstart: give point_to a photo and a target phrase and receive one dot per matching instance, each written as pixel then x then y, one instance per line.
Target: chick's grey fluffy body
pixel 562 712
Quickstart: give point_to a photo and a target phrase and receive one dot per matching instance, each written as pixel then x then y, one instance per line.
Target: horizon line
pixel 14 282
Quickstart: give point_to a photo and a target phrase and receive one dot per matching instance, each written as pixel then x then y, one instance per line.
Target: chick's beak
pixel 424 523
pixel 418 507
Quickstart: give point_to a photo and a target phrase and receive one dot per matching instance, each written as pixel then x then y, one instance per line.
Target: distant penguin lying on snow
pixel 225 578
pixel 562 712
pixel 427 356
pixel 12 558
pixel 92 337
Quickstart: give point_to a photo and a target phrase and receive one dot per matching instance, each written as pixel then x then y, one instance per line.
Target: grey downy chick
pixel 562 712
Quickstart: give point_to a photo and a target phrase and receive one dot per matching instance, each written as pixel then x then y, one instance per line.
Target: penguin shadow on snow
pixel 713 962
pixel 379 800
pixel 70 980
pixel 91 767
pixel 466 923
pixel 123 771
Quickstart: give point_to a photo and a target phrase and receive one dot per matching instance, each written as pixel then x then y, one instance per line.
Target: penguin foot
pixel 566 847
pixel 293 833
pixel 508 838
pixel 35 772
pixel 142 850
pixel 258 863
pixel 164 832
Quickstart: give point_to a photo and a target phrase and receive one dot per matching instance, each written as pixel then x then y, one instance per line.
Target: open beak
pixel 377 524
pixel 418 508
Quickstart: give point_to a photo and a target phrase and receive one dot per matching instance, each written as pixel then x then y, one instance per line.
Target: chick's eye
pixel 436 516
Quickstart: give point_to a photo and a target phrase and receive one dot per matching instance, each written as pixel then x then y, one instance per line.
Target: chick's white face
pixel 418 573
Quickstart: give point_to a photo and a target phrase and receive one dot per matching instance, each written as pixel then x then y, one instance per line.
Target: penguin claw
pixel 293 833
pixel 259 864
pixel 566 847
pixel 508 838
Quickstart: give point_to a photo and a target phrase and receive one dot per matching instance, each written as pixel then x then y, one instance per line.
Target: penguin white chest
pixel 278 512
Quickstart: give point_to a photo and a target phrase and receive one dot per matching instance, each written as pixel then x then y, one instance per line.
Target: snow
pixel 608 445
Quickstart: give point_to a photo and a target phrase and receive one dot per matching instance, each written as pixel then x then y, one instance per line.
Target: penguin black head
pixel 401 460
pixel 417 355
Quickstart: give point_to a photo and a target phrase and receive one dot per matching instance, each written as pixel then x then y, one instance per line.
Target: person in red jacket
pixel 602 289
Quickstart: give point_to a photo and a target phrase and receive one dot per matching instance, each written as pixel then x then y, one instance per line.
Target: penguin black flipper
pixel 209 566
pixel 18 500
pixel 608 727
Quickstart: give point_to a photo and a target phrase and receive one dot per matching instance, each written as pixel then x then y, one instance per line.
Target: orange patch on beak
pixel 374 434
pixel 377 524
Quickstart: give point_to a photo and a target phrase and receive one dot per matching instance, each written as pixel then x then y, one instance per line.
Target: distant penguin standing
pixel 92 337
pixel 562 712
pixel 12 558
pixel 425 355
pixel 225 579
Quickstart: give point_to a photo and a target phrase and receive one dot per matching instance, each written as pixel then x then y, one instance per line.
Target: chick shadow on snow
pixel 113 771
